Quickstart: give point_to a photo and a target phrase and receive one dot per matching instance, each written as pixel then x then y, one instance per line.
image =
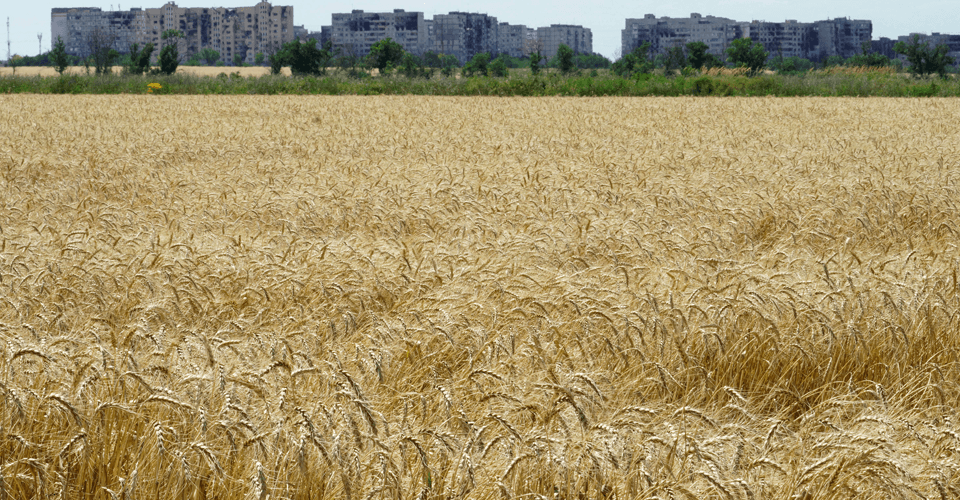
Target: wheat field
pixel 455 298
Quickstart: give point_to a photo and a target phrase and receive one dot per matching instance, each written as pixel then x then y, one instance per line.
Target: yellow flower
pixel 153 86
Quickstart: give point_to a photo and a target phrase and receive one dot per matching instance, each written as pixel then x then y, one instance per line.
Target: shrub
pixel 477 65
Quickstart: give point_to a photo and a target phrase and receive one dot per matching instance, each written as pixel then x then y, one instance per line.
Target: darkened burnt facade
pixel 357 31
pixel 465 34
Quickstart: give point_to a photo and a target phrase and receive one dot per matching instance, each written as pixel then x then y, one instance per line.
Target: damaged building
pixel 815 41
pixel 359 30
pixel 243 31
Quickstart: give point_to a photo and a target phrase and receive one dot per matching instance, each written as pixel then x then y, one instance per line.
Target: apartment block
pixel 841 37
pixel 817 40
pixel 666 32
pixel 951 41
pixel 465 34
pixel 512 39
pixel 242 31
pixel 359 30
pixel 576 37
pixel 75 26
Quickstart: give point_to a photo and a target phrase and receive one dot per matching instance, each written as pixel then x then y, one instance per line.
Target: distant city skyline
pixel 604 17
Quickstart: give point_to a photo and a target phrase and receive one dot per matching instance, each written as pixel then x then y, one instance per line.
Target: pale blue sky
pixel 604 17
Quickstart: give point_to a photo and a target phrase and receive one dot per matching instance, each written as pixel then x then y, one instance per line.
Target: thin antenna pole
pixel 8 40
pixel 40 43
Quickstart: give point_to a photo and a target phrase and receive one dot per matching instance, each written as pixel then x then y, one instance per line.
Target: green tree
pixel 924 59
pixel 276 62
pixel 477 65
pixel 535 58
pixel 448 64
pixel 635 62
pixel 565 59
pixel 412 66
pixel 209 56
pixel 513 62
pixel 169 57
pixel 699 58
pixel 58 56
pixel 102 55
pixel 258 58
pixel 15 62
pixel 498 67
pixel 675 59
pixel 237 60
pixel 867 58
pixel 431 59
pixel 833 61
pixel 591 61
pixel 139 58
pixel 745 53
pixel 304 58
pixel 385 53
pixel 347 61
pixel 791 65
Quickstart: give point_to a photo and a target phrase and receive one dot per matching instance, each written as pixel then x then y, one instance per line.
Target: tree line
pixel 389 57
pixel 922 58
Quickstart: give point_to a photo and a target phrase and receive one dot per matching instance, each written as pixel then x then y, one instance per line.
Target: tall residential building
pixel 460 34
pixel 667 32
pixel 817 40
pixel 842 37
pixel 512 39
pixel 951 41
pixel 359 30
pixel 578 38
pixel 242 31
pixel 75 26
pixel 464 34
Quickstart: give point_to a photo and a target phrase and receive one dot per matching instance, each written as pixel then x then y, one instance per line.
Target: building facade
pixel 242 31
pixel 76 26
pixel 816 41
pixel 465 34
pixel 460 34
pixel 666 32
pixel 951 41
pixel 576 37
pixel 512 39
pixel 359 30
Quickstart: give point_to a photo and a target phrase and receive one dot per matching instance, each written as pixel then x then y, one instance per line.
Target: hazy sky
pixel 604 17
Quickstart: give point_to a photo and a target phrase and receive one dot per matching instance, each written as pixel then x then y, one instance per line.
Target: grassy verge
pixel 807 84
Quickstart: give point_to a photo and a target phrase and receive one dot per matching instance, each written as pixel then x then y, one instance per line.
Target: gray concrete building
pixel 841 37
pixel 666 32
pixel 465 34
pixel 512 39
pixel 460 34
pixel 816 41
pixel 242 31
pixel 75 26
pixel 358 31
pixel 951 41
pixel 576 37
